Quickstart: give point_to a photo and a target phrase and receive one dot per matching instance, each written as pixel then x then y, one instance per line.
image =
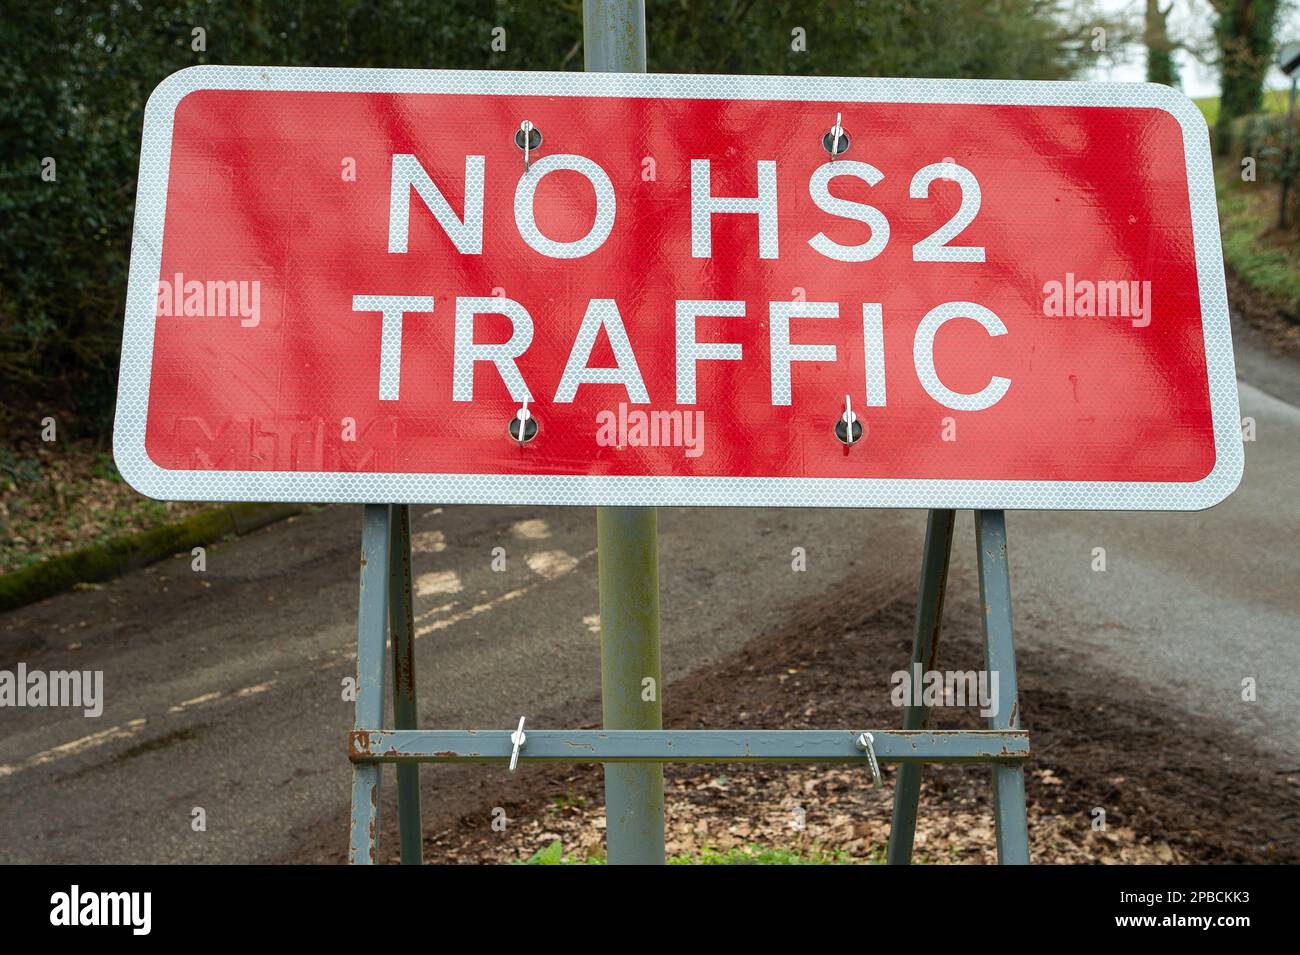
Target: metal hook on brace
pixel 519 739
pixel 523 426
pixel 866 743
pixel 836 141
pixel 848 428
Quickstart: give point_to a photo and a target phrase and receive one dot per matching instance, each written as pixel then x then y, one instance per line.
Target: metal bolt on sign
pixel 523 426
pixel 848 429
pixel 528 138
pixel 836 141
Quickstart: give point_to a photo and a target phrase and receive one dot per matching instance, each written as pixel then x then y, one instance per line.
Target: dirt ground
pixel 1174 789
pixel 1281 333
pixel 60 497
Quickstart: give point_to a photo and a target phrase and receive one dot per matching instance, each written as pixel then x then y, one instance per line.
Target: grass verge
pixel 117 556
pixel 1264 257
pixel 554 854
pixel 1274 102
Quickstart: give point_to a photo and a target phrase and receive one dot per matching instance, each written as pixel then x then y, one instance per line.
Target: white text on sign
pixel 466 234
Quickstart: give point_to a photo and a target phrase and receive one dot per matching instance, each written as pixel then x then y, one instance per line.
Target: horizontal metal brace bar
pixel 687 746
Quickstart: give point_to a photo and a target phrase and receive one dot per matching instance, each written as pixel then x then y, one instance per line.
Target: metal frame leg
pixel 1000 658
pixel 925 648
pixel 371 628
pixel 401 627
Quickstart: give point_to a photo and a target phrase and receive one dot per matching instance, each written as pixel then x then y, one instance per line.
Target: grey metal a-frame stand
pixel 999 657
pixel 386 608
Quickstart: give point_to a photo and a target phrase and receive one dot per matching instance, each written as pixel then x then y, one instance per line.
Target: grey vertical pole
pixel 1000 658
pixel 925 647
pixel 401 627
pixel 613 36
pixel 371 628
pixel 630 678
pixel 613 39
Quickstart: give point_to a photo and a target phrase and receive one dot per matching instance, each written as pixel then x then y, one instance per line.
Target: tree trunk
pixel 1161 67
pixel 1244 31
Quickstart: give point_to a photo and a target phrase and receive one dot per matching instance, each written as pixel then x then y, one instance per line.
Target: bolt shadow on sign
pixel 428 286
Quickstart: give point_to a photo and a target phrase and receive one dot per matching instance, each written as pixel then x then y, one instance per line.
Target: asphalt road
pixel 223 688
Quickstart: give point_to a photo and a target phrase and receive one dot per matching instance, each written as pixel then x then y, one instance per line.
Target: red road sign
pixel 345 284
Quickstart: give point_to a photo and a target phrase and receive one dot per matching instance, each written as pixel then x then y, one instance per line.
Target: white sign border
pixel 148 478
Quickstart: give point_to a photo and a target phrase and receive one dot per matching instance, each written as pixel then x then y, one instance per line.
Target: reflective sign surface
pixel 354 285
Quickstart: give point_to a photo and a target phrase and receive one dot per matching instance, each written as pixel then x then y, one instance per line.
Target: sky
pixel 1189 21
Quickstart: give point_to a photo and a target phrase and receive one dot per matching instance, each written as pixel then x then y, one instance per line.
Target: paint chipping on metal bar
pixel 697 746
